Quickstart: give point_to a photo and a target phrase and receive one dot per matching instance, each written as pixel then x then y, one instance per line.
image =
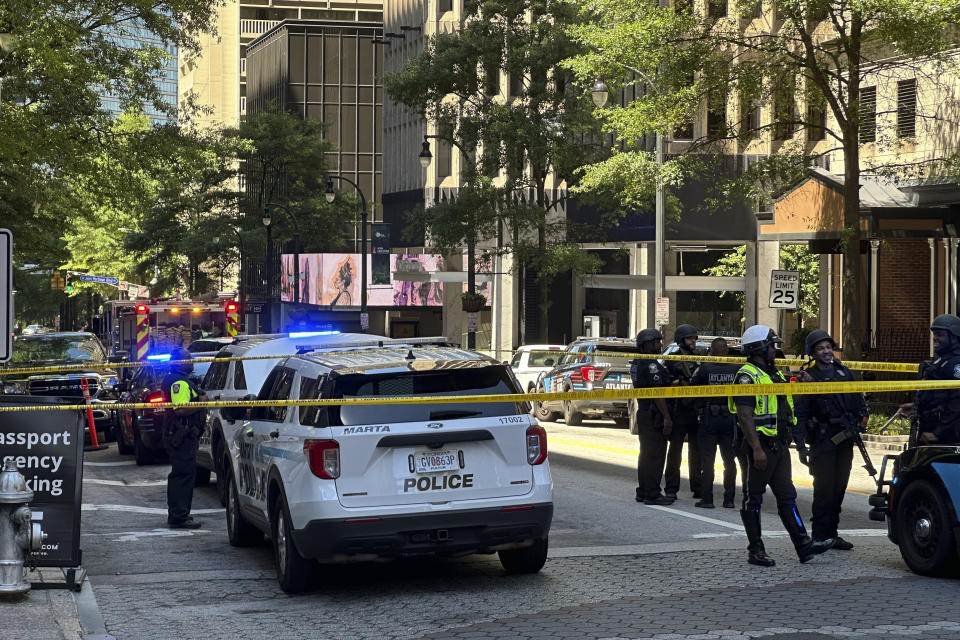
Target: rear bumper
pixel 476 530
pixel 609 407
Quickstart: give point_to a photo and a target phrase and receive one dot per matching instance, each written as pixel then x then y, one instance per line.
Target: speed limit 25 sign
pixel 784 289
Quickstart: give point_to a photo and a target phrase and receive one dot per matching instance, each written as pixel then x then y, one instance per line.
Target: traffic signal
pixel 68 287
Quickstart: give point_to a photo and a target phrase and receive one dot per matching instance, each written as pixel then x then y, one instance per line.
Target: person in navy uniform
pixel 820 417
pixel 684 417
pixel 938 411
pixel 654 423
pixel 180 439
pixel 717 428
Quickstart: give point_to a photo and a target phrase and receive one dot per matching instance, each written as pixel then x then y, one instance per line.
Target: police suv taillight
pixel 324 458
pixel 536 444
pixel 589 374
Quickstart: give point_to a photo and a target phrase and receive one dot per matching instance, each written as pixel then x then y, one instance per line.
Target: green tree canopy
pixel 530 135
pixel 802 61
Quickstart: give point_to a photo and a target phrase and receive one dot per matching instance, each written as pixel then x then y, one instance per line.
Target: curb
pixel 88 614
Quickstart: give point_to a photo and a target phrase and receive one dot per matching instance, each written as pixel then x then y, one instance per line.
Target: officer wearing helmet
pixel 180 439
pixel 820 417
pixel 654 422
pixel 684 417
pixel 766 422
pixel 938 411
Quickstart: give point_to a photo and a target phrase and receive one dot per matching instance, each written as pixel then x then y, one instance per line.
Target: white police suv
pixel 357 482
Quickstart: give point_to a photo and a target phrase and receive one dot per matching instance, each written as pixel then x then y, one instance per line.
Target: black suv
pixel 579 369
pixel 65 348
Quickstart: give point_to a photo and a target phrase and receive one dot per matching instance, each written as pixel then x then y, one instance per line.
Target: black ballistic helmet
pixel 816 336
pixel 647 335
pixel 684 331
pixel 947 322
pixel 181 354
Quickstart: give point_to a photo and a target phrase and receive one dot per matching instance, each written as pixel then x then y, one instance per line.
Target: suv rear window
pixel 490 380
pixel 612 361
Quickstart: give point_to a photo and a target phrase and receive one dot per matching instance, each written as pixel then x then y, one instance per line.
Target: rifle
pixel 852 432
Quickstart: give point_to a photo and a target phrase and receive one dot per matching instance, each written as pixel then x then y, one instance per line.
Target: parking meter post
pixel 94 442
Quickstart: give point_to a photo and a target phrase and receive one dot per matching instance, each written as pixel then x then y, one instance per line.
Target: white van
pixel 235 380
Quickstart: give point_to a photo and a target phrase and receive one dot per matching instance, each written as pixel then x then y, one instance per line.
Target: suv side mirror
pixel 548 362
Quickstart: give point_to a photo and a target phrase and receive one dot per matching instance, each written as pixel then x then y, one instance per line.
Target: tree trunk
pixel 852 339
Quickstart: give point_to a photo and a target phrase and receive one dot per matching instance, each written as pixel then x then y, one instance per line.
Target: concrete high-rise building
pixel 216 78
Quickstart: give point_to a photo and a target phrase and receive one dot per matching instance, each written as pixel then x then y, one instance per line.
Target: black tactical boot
pixel 756 553
pixel 806 548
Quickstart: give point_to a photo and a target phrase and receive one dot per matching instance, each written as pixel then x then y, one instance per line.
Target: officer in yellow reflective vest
pixel 180 438
pixel 766 422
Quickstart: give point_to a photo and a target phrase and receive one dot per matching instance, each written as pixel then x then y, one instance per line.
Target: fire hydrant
pixel 18 534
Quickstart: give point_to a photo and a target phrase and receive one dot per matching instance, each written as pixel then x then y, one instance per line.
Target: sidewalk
pixel 51 614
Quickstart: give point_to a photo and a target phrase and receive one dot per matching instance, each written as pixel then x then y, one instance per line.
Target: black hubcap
pixel 924 527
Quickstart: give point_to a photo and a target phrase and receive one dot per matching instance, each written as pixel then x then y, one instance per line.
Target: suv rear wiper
pixel 454 413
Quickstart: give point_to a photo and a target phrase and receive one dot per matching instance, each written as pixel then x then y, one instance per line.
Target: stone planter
pixel 885 444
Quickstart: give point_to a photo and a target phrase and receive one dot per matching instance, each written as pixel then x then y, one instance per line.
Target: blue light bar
pixel 312 334
pixel 163 357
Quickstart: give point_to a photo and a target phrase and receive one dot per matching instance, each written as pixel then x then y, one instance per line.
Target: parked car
pixel 32 329
pixel 356 482
pixel 529 362
pixel 140 431
pixel 579 369
pixel 45 349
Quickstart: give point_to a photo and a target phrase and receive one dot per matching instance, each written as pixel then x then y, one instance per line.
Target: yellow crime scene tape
pixel 895 367
pixel 785 388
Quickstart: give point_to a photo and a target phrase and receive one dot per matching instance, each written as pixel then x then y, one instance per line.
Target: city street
pixel 617 569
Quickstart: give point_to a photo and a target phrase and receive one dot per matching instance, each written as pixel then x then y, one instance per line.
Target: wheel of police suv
pixel 540 412
pixel 240 532
pixel 294 572
pixel 141 453
pixel 526 559
pixel 571 416
pixel 925 531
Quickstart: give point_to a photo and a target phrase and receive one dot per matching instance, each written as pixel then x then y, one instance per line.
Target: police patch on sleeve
pixel 956 371
pixel 744 379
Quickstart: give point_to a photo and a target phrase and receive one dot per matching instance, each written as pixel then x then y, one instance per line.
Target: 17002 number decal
pixel 512 419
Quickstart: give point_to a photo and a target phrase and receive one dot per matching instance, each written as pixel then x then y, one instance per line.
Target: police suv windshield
pixel 492 380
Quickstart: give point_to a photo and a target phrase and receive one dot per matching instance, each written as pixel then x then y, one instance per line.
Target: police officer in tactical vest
pixel 717 427
pixel 820 418
pixel 766 422
pixel 654 422
pixel 180 439
pixel 938 411
pixel 684 418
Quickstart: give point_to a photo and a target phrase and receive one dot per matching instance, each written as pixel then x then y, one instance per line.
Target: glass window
pixel 907 108
pixel 613 361
pixel 495 379
pixel 282 383
pixel 331 59
pixel 543 359
pixel 216 377
pixel 365 61
pixel 239 377
pixel 53 350
pixel 310 390
pixel 868 114
pixel 573 354
pixel 516 359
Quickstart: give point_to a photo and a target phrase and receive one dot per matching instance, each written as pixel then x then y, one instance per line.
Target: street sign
pixel 473 321
pixel 380 253
pixel 784 289
pixel 663 312
pixel 364 321
pixel 6 295
pixel 99 279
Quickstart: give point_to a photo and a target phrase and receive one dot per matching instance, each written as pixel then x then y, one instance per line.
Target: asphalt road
pixel 617 569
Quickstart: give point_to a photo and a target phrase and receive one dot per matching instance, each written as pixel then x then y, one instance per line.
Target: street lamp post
pixel 268 267
pixel 296 244
pixel 425 157
pixel 600 94
pixel 241 291
pixel 330 196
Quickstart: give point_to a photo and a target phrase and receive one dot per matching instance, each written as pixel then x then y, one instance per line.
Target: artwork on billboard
pixel 333 280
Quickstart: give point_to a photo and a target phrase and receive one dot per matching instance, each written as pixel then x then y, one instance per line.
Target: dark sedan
pixel 140 431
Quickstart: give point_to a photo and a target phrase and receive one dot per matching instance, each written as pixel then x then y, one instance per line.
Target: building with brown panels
pixel 216 78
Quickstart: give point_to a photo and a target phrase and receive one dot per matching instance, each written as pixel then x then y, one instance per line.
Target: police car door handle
pixel 274 434
pixel 248 433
